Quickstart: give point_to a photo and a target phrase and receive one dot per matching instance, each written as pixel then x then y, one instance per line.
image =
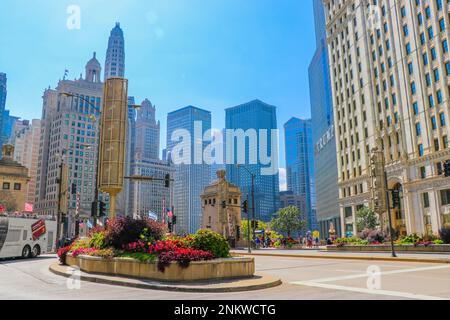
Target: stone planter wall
pixel 445 248
pixel 197 270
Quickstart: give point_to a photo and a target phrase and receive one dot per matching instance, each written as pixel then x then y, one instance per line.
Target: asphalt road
pixel 303 279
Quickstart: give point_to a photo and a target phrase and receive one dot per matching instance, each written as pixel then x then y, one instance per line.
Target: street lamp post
pixel 59 213
pixel 379 173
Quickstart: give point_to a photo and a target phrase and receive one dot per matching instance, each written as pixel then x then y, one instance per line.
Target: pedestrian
pixel 268 242
pixel 257 242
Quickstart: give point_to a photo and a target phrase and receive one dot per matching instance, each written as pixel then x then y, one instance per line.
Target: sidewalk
pixel 323 254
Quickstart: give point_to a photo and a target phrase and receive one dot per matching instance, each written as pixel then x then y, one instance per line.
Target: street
pixel 302 278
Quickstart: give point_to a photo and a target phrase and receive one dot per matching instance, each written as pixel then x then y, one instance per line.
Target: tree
pixel 244 228
pixel 366 218
pixel 287 221
pixel 8 201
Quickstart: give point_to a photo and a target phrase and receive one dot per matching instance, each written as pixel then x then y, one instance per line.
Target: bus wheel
pixel 26 252
pixel 36 251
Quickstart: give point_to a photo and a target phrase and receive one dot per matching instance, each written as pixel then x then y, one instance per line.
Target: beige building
pixel 390 67
pixel 221 208
pixel 69 135
pixel 13 181
pixel 26 138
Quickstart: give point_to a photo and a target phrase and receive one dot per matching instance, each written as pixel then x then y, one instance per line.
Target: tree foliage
pixel 287 221
pixel 244 228
pixel 366 218
pixel 8 200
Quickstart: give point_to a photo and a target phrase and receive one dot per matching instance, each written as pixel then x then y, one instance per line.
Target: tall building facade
pixel 147 132
pixel 325 159
pixel 192 175
pixel 3 93
pixel 149 196
pixel 70 135
pixel 288 198
pixel 300 166
pixel 390 67
pixel 259 116
pixel 26 139
pixel 8 122
pixel 115 54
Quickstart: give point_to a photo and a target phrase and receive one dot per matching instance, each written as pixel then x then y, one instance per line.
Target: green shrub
pixel 411 239
pixel 81 244
pixel 125 230
pixel 142 257
pixel 444 233
pixel 97 240
pixel 438 241
pixel 108 253
pixel 210 241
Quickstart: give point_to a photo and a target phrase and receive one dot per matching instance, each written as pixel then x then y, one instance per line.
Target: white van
pixel 26 237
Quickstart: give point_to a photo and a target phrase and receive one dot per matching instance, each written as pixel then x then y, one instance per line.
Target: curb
pixel 269 282
pixel 371 258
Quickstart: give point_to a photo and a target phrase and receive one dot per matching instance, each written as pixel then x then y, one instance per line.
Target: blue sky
pixel 212 54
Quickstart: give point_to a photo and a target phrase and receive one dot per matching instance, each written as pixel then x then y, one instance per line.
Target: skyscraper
pixel 70 135
pixel 325 158
pixel 148 196
pixel 115 54
pixel 258 116
pixel 147 133
pixel 26 139
pixel 192 175
pixel 8 122
pixel 300 166
pixel 389 73
pixel 3 93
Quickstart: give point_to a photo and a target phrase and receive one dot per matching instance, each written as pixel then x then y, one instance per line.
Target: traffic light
pixel 224 204
pixel 101 209
pixel 238 233
pixel 245 206
pixel 170 225
pixel 254 224
pixel 174 220
pixel 94 209
pixel 167 181
pixel 447 168
pixel 74 188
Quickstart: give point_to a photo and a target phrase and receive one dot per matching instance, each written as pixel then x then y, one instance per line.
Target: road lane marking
pixel 368 291
pixel 364 275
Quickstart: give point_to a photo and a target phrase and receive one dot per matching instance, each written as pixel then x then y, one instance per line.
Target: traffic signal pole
pixel 391 229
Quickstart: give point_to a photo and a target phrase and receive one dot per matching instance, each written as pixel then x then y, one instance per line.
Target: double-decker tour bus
pixel 26 237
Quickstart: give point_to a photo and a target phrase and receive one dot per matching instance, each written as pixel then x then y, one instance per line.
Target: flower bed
pixel 374 240
pixel 143 246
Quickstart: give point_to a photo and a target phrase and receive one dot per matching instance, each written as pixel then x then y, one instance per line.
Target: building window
pixel 6 185
pixel 426 200
pixel 17 186
pixel 445 197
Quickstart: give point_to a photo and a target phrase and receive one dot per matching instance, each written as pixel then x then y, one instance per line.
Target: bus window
pixel 13 236
pixel 25 234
